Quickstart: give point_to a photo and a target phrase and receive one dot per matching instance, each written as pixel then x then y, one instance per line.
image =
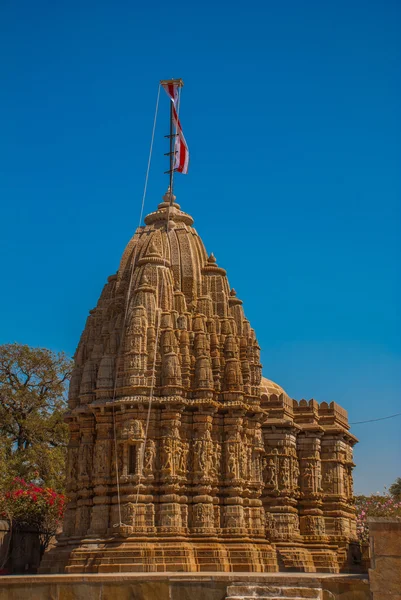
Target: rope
pixel 379 419
pixel 120 523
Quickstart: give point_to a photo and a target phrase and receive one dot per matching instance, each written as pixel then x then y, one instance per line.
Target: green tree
pixel 33 435
pixel 395 488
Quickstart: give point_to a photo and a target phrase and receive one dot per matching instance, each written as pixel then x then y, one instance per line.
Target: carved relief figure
pixel 167 457
pixel 150 454
pixel 308 476
pixel 271 473
pixel 285 473
pixel 101 457
pixel 328 479
pixel 85 460
pixel 231 461
pixel 295 474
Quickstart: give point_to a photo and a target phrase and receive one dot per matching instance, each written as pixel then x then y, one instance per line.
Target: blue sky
pixel 291 112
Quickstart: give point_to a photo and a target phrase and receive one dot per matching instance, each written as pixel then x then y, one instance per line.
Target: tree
pixel 395 488
pixel 33 435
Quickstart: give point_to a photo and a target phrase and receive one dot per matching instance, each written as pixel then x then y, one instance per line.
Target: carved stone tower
pixel 181 456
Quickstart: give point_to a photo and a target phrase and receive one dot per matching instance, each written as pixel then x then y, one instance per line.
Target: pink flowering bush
pixel 28 506
pixel 376 505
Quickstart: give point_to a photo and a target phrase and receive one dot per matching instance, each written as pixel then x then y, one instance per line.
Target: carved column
pixel 281 479
pixel 252 468
pixel 310 506
pixel 72 475
pixel 233 510
pixel 173 507
pixel 84 487
pixel 101 472
pixel 203 455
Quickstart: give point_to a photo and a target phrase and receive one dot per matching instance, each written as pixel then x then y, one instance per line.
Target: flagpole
pixel 172 145
pixel 171 83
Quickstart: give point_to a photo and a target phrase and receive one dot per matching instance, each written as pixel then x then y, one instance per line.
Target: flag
pixel 181 152
pixel 171 90
pixel 181 162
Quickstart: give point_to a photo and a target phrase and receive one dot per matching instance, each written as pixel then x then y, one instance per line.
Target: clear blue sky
pixel 291 112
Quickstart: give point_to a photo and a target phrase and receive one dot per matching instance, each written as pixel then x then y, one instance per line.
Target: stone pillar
pixel 281 479
pixel 338 500
pixel 203 454
pixel 173 507
pixel 335 485
pixel 233 511
pixel 71 482
pixel 253 507
pixel 310 506
pixel 84 481
pixel 101 472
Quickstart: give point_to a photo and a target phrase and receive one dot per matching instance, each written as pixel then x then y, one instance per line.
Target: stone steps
pixel 260 591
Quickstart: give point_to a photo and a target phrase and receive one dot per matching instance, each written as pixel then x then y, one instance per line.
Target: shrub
pixel 30 507
pixel 377 505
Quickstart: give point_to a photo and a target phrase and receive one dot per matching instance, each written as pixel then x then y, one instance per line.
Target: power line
pixel 380 419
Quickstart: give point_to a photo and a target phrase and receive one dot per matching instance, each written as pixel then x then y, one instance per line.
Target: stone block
pixel 78 591
pixel 208 590
pixel 387 543
pixel 386 576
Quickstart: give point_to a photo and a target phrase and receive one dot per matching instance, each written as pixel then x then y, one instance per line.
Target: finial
pixel 168 196
pixel 233 292
pixel 211 259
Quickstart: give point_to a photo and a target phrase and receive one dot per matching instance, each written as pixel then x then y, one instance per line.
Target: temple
pixel 182 457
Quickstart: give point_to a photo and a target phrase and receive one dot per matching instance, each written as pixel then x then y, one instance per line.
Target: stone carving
pixel 149 458
pixel 308 476
pixel 295 474
pixel 227 457
pixel 271 472
pixel 232 461
pixel 167 455
pixel 101 460
pixel 314 526
pixel 133 430
pixel 203 454
pixel 285 479
pixel 85 460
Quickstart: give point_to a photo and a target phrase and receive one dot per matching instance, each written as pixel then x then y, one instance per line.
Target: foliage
pixel 28 506
pixel 33 435
pixel 395 488
pixel 377 505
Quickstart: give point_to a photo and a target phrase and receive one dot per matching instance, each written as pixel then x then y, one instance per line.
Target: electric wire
pixel 379 419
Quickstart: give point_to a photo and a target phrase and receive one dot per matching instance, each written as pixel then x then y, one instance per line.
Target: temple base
pixel 122 554
pixel 93 556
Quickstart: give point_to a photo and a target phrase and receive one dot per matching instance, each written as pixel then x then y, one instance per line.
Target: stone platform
pixel 185 586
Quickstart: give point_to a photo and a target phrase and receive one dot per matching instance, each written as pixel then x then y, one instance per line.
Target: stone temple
pixel 182 457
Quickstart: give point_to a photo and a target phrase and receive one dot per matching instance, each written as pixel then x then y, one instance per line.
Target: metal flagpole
pixel 179 84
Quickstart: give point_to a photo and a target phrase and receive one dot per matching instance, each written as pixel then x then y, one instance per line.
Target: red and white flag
pixel 171 90
pixel 181 152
